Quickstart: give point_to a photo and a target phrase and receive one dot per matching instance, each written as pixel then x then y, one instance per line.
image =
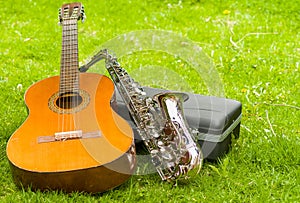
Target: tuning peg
pixel 83 16
pixel 59 16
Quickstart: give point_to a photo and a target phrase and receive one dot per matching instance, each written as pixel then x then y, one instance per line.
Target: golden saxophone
pixel 160 122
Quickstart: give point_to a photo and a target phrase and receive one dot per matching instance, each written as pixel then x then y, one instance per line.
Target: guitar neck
pixel 69 74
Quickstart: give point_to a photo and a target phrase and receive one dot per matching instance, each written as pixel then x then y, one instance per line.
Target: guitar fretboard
pixel 69 75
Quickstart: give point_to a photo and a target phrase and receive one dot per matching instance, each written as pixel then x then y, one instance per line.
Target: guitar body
pixel 84 147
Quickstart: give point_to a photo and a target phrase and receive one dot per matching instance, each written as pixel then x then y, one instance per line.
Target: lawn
pixel 253 47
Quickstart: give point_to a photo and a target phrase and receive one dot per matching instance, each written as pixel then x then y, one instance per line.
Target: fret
pixel 68 75
pixel 69 41
pixel 66 80
pixel 68 35
pixel 69 86
pixel 69 80
pixel 69 29
pixel 68 61
pixel 67 89
pixel 69 54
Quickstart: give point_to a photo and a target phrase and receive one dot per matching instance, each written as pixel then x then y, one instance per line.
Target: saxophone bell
pixel 191 157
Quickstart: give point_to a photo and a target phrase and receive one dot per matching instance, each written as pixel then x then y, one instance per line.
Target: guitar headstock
pixel 71 11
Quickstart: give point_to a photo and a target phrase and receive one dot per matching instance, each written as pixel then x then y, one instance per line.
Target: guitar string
pixel 70 82
pixel 65 79
pixel 75 79
pixel 61 102
pixel 66 48
pixel 77 73
pixel 69 78
pixel 69 75
pixel 61 76
pixel 71 116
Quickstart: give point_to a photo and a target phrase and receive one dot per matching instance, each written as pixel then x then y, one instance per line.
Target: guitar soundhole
pixel 69 101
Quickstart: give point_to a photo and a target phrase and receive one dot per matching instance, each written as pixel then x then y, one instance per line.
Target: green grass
pixel 255 48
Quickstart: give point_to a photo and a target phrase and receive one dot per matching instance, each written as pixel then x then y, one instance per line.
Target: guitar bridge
pixel 68 135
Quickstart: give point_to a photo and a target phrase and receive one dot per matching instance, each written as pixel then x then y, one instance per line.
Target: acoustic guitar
pixel 72 140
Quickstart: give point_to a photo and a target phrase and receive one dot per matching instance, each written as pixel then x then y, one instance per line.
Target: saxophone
pixel 160 122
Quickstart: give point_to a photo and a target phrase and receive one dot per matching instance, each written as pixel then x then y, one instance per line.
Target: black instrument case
pixel 213 121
